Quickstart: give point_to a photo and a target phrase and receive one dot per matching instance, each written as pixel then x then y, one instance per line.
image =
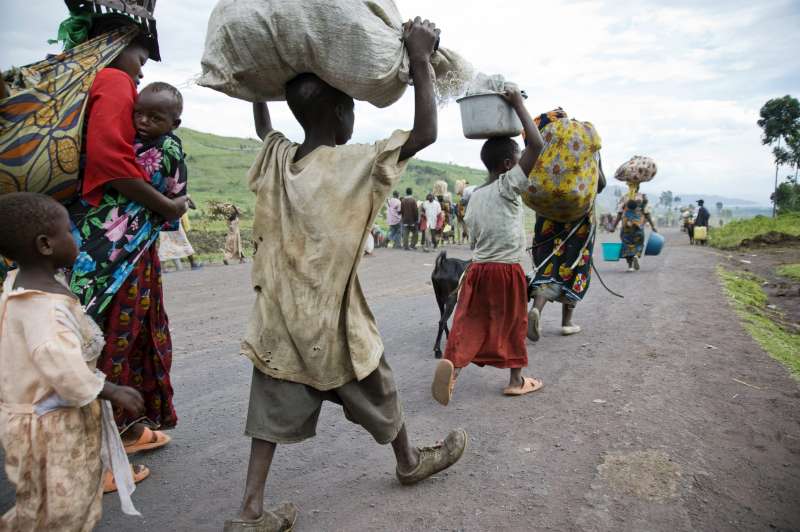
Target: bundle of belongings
pixel 254 47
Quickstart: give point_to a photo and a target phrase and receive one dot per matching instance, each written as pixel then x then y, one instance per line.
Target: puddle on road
pixel 649 475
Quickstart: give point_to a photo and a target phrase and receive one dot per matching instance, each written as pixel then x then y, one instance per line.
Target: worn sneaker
pixel 569 330
pixel 436 458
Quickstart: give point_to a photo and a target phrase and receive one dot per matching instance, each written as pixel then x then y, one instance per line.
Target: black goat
pixel 445 277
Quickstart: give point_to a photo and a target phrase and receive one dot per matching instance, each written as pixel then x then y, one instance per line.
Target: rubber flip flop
pixel 149 440
pixel 529 385
pixel 443 381
pixel 140 472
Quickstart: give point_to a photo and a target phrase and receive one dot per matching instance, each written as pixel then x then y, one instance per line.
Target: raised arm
pixel 535 144
pixel 262 119
pixel 420 39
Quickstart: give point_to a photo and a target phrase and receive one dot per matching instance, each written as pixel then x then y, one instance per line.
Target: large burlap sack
pixel 563 183
pixel 253 47
pixel 638 169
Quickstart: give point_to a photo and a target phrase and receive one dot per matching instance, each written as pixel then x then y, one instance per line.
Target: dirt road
pixel 663 415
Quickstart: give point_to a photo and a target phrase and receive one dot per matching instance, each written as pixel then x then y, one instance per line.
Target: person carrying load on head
pixel 491 316
pixel 312 337
pixel 564 234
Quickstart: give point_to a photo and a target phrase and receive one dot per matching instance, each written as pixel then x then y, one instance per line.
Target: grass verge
pixel 734 233
pixel 762 323
pixel 792 271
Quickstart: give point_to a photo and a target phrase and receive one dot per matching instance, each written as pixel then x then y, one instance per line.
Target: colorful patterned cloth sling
pixel 41 123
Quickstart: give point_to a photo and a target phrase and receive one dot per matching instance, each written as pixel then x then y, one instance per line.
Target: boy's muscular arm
pixel 535 143
pixel 262 119
pixel 420 39
pixel 143 193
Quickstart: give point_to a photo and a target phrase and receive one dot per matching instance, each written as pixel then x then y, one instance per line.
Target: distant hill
pixel 610 196
pixel 218 168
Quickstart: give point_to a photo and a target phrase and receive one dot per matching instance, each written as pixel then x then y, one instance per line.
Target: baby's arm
pixel 145 194
pixel 420 39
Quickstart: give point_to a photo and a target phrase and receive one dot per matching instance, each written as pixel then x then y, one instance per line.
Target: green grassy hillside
pixel 218 171
pixel 218 168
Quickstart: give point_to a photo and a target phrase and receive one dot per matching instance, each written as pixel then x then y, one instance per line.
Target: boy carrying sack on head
pixel 312 336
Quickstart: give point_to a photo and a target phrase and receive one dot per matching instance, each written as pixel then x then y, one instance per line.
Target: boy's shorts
pixel 282 411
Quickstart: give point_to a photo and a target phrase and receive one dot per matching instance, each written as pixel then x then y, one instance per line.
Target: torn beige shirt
pixel 310 322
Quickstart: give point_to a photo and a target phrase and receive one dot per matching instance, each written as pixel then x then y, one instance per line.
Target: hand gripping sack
pixel 253 47
pixel 41 123
pixel 638 169
pixel 563 183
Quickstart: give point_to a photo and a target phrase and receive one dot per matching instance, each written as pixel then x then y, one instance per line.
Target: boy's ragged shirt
pixel 494 219
pixel 311 323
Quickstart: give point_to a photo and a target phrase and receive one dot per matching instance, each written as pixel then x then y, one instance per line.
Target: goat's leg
pixel 449 307
pixel 437 350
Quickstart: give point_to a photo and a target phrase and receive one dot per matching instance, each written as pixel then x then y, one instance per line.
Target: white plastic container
pixel 488 115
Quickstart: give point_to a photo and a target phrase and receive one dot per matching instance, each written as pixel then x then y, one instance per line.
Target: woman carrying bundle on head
pixel 564 185
pixel 633 211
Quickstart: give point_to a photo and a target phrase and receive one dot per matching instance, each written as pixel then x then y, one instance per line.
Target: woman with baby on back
pixel 133 181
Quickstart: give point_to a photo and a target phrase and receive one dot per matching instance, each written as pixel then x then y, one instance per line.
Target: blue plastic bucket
pixel 612 251
pixel 654 244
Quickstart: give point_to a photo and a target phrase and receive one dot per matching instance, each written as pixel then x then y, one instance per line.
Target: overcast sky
pixel 680 81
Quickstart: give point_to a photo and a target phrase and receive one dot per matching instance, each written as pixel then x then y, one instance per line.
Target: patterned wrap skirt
pixel 138 351
pixel 563 262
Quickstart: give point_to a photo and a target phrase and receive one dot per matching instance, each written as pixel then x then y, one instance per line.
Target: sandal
pixel 444 381
pixel 529 385
pixel 436 458
pixel 140 472
pixel 280 519
pixel 149 440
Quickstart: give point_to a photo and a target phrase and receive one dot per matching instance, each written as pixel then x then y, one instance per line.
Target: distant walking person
pixel 633 213
pixel 233 242
pixel 701 220
pixel 409 217
pixel 432 209
pixel 394 218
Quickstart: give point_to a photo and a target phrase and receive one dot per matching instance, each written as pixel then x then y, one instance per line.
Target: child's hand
pixel 420 38
pixel 513 95
pixel 124 397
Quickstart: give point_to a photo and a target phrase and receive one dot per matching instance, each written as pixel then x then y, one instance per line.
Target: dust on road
pixel 639 427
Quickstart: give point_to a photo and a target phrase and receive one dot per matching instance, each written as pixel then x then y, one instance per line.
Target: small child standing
pixel 55 433
pixel 490 322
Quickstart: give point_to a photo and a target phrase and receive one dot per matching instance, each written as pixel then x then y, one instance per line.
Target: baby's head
pixel 317 105
pixel 157 111
pixel 500 154
pixel 39 230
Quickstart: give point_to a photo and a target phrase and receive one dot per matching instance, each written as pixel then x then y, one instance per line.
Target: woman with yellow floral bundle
pixel 562 258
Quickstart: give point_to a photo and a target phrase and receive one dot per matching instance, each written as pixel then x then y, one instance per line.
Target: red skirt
pixel 138 351
pixel 491 318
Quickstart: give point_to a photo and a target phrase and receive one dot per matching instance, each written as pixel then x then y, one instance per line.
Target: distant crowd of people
pixel 423 224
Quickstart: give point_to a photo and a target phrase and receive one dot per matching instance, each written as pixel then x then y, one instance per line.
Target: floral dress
pixel 632 233
pixel 113 236
pixel 562 259
pixel 117 277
